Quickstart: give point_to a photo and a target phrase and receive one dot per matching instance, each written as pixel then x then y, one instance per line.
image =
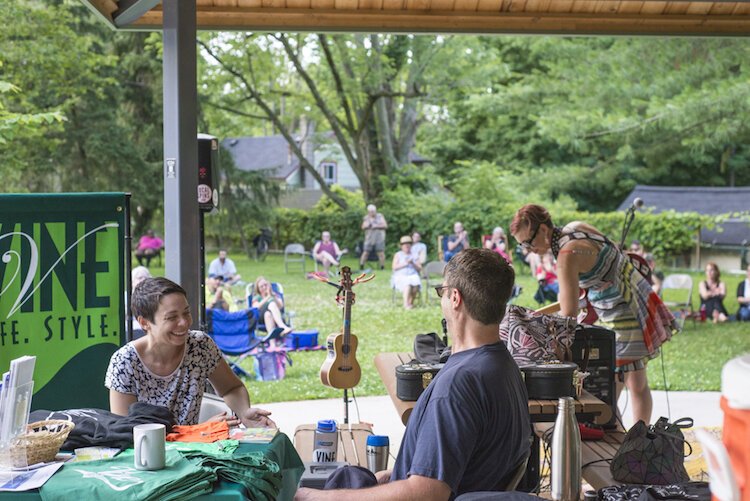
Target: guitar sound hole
pixel 345 349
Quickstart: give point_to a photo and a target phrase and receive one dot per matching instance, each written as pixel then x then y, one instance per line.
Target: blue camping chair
pixel 277 289
pixel 234 334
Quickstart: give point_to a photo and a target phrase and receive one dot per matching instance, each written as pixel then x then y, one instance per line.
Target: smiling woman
pixel 169 366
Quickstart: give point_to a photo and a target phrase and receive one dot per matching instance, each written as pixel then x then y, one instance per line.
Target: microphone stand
pixel 629 216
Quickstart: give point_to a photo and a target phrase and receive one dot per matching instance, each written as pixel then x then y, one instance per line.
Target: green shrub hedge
pixel 432 214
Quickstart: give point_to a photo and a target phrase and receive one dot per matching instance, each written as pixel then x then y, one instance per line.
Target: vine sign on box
pixel 62 260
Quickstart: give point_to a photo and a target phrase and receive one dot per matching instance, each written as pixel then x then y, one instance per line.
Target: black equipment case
pixel 601 362
pixel 413 378
pixel 549 381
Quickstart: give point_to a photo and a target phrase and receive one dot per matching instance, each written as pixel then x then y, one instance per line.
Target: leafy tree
pixel 247 200
pixel 592 117
pixel 369 91
pixel 11 123
pixel 67 62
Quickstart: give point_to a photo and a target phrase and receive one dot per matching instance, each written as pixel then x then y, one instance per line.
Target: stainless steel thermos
pixel 566 453
pixel 377 453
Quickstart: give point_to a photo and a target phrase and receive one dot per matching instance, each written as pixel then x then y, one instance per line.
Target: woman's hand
pixel 231 419
pixel 257 418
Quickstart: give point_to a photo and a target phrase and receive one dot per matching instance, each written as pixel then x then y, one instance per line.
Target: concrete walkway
pixel 703 407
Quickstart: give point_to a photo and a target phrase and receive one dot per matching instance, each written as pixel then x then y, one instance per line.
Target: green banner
pixel 62 291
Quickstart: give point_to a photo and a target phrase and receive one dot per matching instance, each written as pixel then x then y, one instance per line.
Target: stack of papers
pixel 15 398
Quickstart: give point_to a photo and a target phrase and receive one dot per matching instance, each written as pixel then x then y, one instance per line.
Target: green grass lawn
pixel 691 361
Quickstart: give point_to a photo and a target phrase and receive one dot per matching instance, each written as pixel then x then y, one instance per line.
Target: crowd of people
pixel 478 398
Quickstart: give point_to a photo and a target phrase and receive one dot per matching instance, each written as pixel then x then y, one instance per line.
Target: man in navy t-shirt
pixel 470 427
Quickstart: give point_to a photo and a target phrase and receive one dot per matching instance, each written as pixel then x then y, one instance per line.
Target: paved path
pixel 703 407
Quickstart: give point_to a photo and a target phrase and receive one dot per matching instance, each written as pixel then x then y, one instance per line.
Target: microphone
pixel 637 203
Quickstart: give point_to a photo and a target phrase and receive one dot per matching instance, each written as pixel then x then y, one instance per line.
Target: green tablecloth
pixel 280 450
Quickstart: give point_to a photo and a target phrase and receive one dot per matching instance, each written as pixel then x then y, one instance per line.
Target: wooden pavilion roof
pixel 567 17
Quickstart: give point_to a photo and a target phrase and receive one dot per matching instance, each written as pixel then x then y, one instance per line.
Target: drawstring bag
pixel 690 491
pixel 271 365
pixel 535 337
pixel 653 454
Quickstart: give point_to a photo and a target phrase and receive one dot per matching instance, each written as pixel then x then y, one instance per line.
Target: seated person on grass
pixel 218 295
pixel 224 267
pixel 149 246
pixel 470 428
pixel 170 364
pixel 269 306
pixel 327 252
pixel 418 248
pixel 456 242
pixel 743 298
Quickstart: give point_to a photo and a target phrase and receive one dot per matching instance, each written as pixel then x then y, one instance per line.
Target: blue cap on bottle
pixel 326 425
pixel 377 440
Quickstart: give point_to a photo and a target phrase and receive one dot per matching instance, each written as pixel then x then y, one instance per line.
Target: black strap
pixel 586 346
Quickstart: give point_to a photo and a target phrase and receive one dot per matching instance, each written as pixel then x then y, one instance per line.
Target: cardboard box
pixel 352 442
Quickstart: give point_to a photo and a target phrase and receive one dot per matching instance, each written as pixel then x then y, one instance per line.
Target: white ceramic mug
pixel 149 442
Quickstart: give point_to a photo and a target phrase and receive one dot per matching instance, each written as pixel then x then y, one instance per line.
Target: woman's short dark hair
pixel 485 281
pixel 532 216
pixel 147 296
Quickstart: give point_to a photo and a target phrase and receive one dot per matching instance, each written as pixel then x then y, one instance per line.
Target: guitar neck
pixel 347 317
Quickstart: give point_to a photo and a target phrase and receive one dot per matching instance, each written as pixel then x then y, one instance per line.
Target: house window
pixel 328 172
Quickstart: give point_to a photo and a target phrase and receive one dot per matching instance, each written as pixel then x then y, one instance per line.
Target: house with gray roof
pixel 300 189
pixel 727 245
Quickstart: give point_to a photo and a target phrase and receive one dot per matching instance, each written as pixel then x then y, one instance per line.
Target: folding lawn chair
pixel 234 334
pixel 677 294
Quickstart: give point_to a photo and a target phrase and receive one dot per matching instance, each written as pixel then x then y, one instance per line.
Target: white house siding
pixel 345 176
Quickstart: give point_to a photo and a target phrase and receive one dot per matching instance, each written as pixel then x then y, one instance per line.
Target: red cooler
pixel 735 402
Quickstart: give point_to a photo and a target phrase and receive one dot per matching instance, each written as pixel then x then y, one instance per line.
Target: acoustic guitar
pixel 341 369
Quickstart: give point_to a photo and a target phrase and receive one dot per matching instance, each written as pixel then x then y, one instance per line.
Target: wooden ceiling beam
pixel 352 20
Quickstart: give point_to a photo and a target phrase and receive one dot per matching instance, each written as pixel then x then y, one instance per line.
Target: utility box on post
pixel 208 173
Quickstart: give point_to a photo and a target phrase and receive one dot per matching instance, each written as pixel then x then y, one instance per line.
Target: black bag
pixel 652 454
pixel 690 491
pixel 430 349
pixel 413 378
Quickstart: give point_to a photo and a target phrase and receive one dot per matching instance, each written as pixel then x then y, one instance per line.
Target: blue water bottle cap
pixel 327 425
pixel 377 440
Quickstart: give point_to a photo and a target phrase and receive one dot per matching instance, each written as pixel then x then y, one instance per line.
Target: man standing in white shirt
pixel 374 225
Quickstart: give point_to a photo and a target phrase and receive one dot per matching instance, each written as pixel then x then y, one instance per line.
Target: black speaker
pixel 208 173
pixel 601 364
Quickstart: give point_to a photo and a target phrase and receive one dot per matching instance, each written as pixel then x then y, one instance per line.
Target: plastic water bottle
pixel 326 442
pixel 566 453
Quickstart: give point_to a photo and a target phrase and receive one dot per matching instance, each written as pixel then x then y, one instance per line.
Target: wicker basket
pixel 40 444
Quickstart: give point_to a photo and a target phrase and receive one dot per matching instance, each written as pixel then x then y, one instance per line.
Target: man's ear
pixel 456 298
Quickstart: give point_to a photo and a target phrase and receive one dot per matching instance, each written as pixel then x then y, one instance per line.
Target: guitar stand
pixel 346 406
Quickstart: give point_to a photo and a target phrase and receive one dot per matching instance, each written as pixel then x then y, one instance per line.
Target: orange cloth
pixel 208 432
